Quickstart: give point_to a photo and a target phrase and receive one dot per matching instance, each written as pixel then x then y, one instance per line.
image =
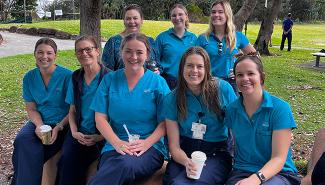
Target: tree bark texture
pixel 266 29
pixel 243 14
pixel 90 14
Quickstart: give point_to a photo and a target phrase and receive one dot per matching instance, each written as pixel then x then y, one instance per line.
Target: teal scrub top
pixel 253 137
pixel 49 100
pixel 221 63
pixel 171 49
pixel 139 109
pixel 87 125
pixel 216 131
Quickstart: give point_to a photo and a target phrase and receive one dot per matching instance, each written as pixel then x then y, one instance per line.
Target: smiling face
pixel 132 21
pixel 134 54
pixel 249 79
pixel 45 56
pixel 86 52
pixel 178 17
pixel 218 16
pixel 194 71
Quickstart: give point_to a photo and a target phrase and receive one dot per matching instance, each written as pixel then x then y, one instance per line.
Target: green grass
pixel 304 35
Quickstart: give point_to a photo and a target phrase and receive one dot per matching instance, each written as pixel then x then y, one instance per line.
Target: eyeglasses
pixel 87 50
pixel 220 48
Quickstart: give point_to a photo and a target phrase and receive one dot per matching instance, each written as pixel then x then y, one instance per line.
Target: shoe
pixel 270 45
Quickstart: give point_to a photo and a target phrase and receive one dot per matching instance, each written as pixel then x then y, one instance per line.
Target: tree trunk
pixel 243 14
pixel 90 11
pixel 264 35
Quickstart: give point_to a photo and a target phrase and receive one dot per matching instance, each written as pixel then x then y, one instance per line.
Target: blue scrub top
pixel 139 109
pixel 49 100
pixel 111 57
pixel 287 24
pixel 253 137
pixel 221 64
pixel 171 49
pixel 87 125
pixel 216 131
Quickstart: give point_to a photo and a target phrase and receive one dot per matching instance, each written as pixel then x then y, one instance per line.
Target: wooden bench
pixel 318 55
pixel 50 170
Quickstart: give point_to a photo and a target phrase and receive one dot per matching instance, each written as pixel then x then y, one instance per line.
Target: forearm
pixel 159 132
pixel 106 130
pixel 272 167
pixel 178 155
pixel 318 149
pixel 72 119
pixel 35 117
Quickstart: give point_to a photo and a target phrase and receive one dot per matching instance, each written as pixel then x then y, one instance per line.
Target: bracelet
pixel 260 176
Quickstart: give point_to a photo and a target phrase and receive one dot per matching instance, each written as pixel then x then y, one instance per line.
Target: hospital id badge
pixel 199 130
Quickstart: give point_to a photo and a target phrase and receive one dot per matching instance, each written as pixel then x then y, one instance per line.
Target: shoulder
pixel 164 33
pixel 279 103
pixel 64 70
pixel 31 73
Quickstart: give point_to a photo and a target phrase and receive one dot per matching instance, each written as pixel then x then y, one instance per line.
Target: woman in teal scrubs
pixel 44 91
pixel 133 20
pixel 222 42
pixel 194 114
pixel 132 97
pixel 173 43
pixel 261 124
pixel 83 143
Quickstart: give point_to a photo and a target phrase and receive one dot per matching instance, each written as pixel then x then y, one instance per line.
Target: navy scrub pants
pixel 117 169
pixel 284 37
pixel 282 178
pixel 75 160
pixel 215 172
pixel 30 154
pixel 318 177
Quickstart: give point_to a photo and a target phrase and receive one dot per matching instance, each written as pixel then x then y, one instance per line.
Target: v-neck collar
pixel 136 85
pixel 51 78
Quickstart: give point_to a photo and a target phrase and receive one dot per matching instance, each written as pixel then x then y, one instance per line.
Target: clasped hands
pixel 136 148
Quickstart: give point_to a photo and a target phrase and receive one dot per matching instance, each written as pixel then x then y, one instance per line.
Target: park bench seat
pixel 318 55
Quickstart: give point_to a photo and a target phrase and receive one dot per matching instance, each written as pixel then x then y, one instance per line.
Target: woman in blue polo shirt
pixel 83 143
pixel 133 20
pixel 44 90
pixel 222 42
pixel 194 114
pixel 173 43
pixel 261 124
pixel 132 97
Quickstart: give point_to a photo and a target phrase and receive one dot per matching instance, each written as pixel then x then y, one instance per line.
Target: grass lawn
pixel 302 88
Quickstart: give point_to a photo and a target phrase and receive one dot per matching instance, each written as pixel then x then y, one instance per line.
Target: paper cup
pixel 198 158
pixel 133 138
pixel 46 131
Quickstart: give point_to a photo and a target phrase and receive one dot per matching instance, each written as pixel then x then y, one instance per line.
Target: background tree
pixel 300 9
pixel 17 9
pixel 243 13
pixel 264 34
pixel 65 5
pixel 90 14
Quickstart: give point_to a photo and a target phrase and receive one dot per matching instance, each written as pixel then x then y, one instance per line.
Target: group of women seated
pixel 96 109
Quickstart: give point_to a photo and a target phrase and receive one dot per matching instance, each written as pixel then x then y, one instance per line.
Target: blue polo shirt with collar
pixel 171 48
pixel 253 136
pixel 221 63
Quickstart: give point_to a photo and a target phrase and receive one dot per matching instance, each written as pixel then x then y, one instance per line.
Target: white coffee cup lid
pixel 45 128
pixel 198 155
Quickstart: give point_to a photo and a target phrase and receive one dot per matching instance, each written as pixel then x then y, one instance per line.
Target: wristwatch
pixel 261 176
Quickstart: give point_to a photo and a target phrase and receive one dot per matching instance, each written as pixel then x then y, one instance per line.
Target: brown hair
pixel 209 85
pixel 254 59
pixel 46 41
pixel 180 6
pixel 136 36
pixel 89 38
pixel 133 7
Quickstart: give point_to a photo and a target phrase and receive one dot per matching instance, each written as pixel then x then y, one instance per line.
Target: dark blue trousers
pixel 30 154
pixel 282 178
pixel 75 161
pixel 318 175
pixel 284 37
pixel 117 169
pixel 215 172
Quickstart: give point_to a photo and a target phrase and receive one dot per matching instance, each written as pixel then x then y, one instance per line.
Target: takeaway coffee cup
pixel 133 138
pixel 46 131
pixel 198 158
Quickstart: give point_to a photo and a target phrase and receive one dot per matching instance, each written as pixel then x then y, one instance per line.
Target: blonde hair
pixel 182 7
pixel 230 26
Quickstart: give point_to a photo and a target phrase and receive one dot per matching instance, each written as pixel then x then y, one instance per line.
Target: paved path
pixel 15 44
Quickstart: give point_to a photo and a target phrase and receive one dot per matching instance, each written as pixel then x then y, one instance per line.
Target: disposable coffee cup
pixel 46 131
pixel 198 158
pixel 133 138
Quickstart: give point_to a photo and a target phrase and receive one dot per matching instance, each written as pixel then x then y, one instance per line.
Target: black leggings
pixel 318 177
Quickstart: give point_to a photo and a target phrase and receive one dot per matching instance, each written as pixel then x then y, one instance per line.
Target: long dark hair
pixel 209 86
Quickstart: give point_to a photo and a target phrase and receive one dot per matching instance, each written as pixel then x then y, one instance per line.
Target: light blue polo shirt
pixel 139 109
pixel 87 125
pixel 49 100
pixel 171 49
pixel 221 64
pixel 216 131
pixel 111 56
pixel 253 137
